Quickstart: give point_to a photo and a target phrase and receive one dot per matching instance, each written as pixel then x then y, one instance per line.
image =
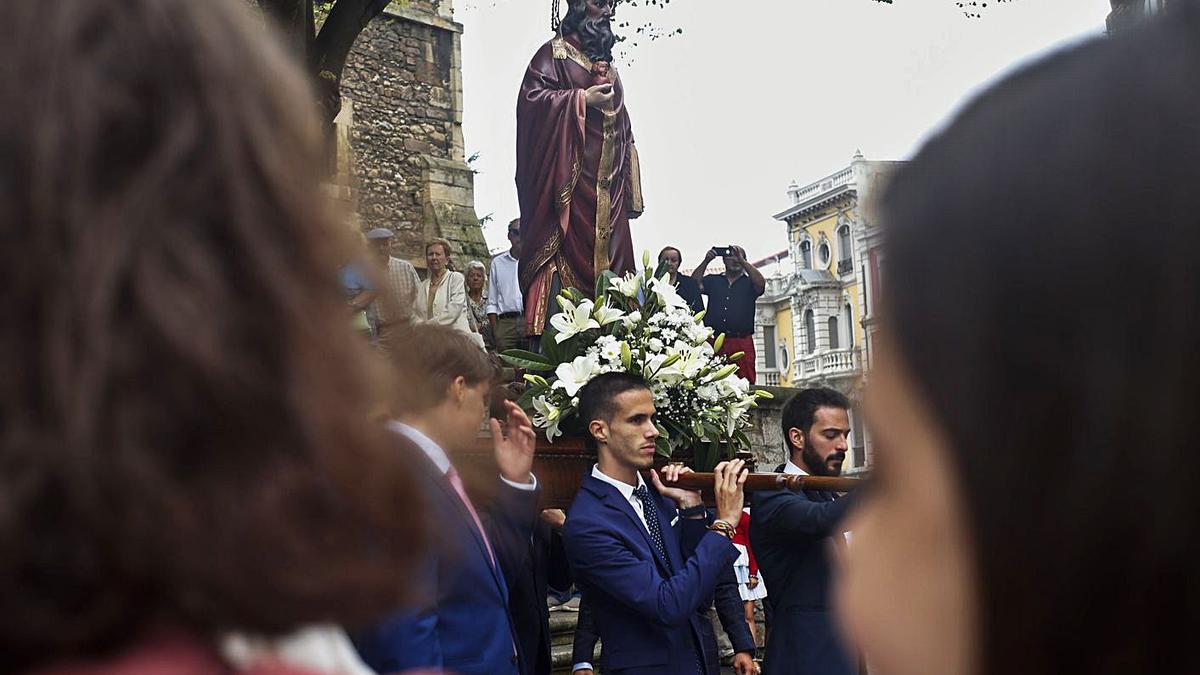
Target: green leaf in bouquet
pixel 662 431
pixel 662 447
pixel 526 399
pixel 527 360
pixel 706 455
pixel 550 347
pixel 739 437
pixel 660 270
pixel 677 431
pixel 603 282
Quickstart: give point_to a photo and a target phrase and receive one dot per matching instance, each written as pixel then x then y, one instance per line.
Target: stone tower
pixel 402 120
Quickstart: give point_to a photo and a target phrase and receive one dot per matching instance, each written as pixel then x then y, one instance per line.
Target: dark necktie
pixel 650 511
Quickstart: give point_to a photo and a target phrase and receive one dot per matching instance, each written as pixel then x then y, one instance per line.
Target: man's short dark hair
pixel 801 410
pixel 596 400
pixel 670 248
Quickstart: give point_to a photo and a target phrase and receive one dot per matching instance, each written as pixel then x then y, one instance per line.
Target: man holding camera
pixel 731 299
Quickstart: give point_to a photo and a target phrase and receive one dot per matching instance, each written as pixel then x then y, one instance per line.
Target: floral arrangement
pixel 638 323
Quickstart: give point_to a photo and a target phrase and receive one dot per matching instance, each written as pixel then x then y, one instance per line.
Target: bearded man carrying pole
pixel 578 180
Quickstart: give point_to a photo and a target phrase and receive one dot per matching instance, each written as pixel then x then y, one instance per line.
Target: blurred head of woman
pixel 1035 507
pixel 437 256
pixel 184 444
pixel 476 278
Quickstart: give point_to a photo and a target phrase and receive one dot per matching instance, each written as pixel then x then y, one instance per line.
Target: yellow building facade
pixel 825 299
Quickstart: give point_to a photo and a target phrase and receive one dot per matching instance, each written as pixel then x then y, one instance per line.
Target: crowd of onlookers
pixel 189 449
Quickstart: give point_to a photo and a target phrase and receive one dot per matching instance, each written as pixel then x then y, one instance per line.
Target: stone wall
pixel 404 83
pixel 766 436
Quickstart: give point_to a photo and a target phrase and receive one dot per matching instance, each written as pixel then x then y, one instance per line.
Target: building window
pixel 844 252
pixel 806 255
pixel 810 330
pixel 784 362
pixel 769 360
pixel 848 317
pixel 823 254
pixel 833 333
pixel 857 439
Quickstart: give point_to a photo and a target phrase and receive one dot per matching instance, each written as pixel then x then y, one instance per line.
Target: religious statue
pixel 578 181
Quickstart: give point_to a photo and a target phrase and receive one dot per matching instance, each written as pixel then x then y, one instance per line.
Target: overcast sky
pixel 755 94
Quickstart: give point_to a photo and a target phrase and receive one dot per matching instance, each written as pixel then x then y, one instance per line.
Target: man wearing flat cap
pixel 394 304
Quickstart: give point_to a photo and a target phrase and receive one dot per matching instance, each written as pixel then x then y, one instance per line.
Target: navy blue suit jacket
pixel 461 622
pixel 648 619
pixel 790 532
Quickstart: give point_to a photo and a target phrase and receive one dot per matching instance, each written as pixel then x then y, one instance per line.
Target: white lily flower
pixel 666 292
pixel 547 416
pixel 572 376
pixel 628 285
pixel 572 320
pixel 607 314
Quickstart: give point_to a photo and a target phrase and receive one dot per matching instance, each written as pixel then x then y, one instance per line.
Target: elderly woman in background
pixel 442 296
pixel 185 445
pixel 477 302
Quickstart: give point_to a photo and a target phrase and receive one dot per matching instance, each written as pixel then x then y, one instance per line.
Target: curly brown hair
pixel 183 408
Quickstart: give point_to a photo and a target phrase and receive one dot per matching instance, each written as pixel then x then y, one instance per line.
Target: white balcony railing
pixel 769 378
pixel 830 363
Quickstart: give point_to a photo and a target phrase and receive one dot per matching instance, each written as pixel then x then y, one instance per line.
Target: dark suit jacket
pixel 648 617
pixel 462 622
pixel 790 532
pixel 527 594
pixel 730 612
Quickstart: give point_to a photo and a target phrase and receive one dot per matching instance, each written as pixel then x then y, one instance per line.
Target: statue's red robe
pixel 578 180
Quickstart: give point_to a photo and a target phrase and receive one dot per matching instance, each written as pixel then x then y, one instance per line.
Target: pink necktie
pixel 456 481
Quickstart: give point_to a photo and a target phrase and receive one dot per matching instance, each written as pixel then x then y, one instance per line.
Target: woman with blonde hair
pixel 442 296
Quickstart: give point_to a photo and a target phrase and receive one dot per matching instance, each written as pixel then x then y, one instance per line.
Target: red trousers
pixel 733 345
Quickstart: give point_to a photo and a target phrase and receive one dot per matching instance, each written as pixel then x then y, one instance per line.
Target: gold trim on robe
pixel 636 205
pixel 601 259
pixel 562 50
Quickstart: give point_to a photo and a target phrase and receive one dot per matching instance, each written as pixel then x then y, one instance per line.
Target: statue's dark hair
pixel 597 40
pixel 185 442
pixel 1055 344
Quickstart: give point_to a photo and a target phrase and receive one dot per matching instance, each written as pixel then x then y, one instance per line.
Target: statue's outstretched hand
pixel 599 95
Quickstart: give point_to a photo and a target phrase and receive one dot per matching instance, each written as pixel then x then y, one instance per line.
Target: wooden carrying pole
pixel 770 481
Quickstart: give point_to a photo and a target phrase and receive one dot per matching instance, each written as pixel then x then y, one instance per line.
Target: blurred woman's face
pixel 435 257
pixel 475 279
pixel 907 593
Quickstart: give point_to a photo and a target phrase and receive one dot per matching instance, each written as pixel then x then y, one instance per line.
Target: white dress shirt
pixel 438 456
pixel 792 470
pixel 626 491
pixel 504 289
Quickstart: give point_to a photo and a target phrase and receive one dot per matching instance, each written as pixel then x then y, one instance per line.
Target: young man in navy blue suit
pixel 647 557
pixel 794 535
pixel 461 622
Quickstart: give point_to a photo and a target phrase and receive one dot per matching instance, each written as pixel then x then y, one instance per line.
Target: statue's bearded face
pixel 590 21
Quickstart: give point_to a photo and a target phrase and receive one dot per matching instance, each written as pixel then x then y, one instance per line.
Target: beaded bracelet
pixel 723 528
